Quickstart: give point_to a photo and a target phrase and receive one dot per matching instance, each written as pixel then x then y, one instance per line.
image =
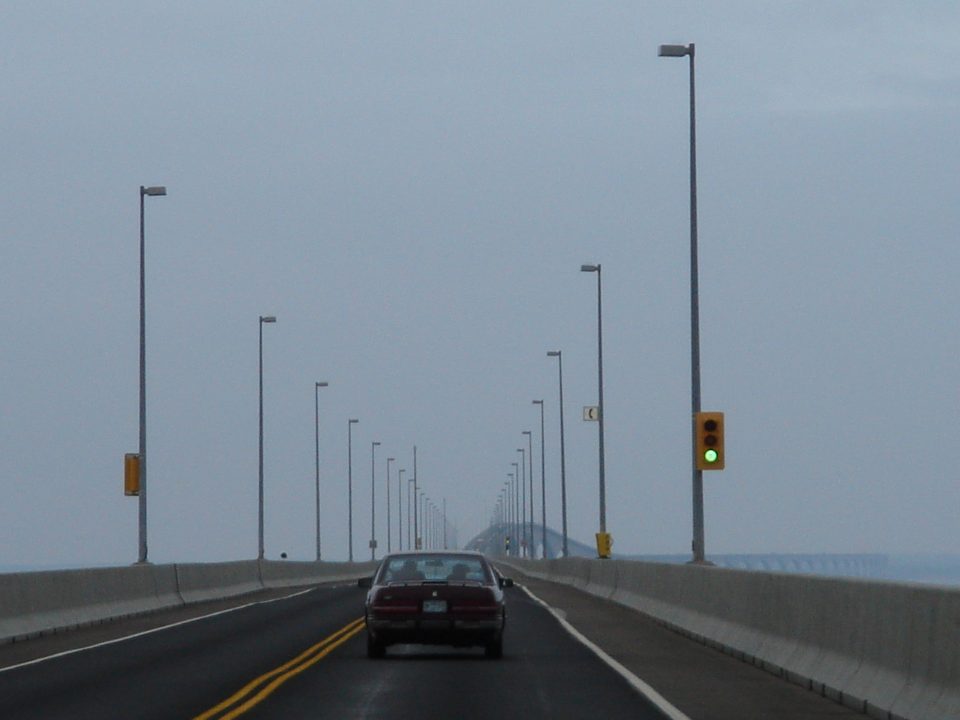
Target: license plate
pixel 434 606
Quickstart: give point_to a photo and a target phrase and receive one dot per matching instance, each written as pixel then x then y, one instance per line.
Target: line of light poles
pixel 603 538
pixel 140 487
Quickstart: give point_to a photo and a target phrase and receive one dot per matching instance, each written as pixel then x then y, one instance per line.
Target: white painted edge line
pixel 37 661
pixel 639 685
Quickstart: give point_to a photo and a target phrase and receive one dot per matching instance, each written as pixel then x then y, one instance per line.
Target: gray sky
pixel 411 188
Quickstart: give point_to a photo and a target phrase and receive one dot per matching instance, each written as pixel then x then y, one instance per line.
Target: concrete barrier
pixel 891 650
pixel 36 603
pixel 209 581
pixel 290 574
pixel 39 602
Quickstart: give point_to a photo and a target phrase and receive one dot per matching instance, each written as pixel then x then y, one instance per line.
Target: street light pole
pixel 316 412
pixel 263 319
pixel 699 543
pixel 558 354
pixel 400 473
pixel 416 524
pixel 512 493
pixel 529 435
pixel 373 500
pixel 410 540
pixel 603 492
pixel 350 424
pixel 418 496
pixel 389 541
pixel 524 529
pixel 154 191
pixel 543 482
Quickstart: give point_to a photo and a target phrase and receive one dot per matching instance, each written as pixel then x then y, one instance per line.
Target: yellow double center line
pixel 256 691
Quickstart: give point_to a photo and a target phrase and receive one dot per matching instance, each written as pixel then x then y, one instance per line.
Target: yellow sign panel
pixel 131 474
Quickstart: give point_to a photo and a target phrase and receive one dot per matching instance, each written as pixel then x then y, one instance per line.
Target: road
pixel 303 656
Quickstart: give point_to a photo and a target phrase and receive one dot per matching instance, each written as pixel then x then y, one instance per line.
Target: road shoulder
pixel 700 681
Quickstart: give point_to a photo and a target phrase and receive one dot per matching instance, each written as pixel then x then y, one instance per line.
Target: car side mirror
pixel 365 582
pixel 506 582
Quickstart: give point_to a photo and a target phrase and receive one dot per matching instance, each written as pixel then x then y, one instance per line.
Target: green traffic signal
pixel 711 456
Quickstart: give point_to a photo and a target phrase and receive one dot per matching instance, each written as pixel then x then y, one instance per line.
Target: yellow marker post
pixel 131 474
pixel 604 545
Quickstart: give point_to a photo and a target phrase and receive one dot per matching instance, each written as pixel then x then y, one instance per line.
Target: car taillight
pixel 480 601
pixel 385 601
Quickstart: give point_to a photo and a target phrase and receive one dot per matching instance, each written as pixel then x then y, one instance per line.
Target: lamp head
pixel 676 50
pixel 589 268
pixel 153 191
pixel 268 318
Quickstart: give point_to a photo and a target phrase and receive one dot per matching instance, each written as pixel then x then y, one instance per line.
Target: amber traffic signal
pixel 708 453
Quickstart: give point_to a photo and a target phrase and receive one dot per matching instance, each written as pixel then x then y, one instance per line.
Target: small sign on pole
pixel 131 474
pixel 591 413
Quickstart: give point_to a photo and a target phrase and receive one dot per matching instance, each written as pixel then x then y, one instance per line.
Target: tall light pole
pixel 389 541
pixel 699 545
pixel 530 482
pixel 373 500
pixel 525 530
pixel 543 482
pixel 416 524
pixel 512 493
pixel 558 354
pixel 350 424
pixel 420 528
pixel 263 319
pixel 316 414
pixel 400 473
pixel 521 485
pixel 603 490
pixel 411 541
pixel 154 191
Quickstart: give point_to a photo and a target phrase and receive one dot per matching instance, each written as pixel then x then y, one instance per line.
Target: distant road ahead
pixel 304 657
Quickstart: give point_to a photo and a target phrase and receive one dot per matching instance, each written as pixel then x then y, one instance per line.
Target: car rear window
pixel 434 568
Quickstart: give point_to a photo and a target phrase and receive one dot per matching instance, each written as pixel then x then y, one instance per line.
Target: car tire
pixel 494 649
pixel 375 649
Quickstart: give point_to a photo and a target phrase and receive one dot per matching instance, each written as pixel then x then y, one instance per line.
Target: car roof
pixel 425 553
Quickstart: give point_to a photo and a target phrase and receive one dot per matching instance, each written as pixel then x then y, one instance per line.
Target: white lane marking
pixel 37 661
pixel 639 685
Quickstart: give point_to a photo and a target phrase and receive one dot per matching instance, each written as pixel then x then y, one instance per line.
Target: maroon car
pixel 435 598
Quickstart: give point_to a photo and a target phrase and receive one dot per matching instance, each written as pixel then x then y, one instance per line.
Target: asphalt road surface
pixel 304 656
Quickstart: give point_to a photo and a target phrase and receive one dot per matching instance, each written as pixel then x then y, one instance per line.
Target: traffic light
pixel 708 453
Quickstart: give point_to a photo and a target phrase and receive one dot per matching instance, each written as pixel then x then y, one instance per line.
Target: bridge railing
pixel 34 603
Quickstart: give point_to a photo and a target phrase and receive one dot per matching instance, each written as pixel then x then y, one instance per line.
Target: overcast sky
pixel 411 189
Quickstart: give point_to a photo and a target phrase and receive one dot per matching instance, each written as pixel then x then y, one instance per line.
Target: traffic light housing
pixel 708 429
